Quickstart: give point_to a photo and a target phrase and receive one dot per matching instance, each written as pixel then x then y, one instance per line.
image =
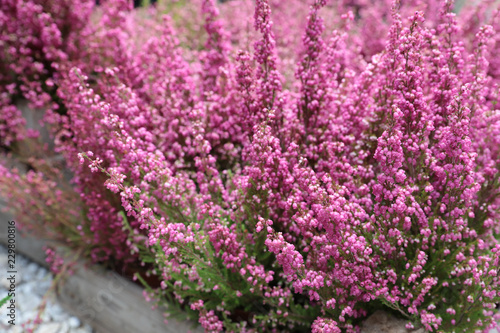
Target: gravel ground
pixel 32 282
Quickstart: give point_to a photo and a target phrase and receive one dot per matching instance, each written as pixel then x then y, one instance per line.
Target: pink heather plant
pixel 37 39
pixel 41 40
pixel 298 173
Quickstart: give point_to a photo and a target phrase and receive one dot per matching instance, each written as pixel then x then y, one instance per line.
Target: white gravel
pixel 32 283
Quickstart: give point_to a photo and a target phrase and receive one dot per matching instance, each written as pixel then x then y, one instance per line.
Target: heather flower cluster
pixel 274 167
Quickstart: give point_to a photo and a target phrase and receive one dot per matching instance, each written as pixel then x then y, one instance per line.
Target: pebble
pixel 32 283
pixel 64 327
pixel 33 303
pixel 74 322
pixel 32 268
pixel 4 320
pixel 85 329
pixel 48 328
pixel 6 283
pixel 16 329
pixel 41 273
pixel 24 316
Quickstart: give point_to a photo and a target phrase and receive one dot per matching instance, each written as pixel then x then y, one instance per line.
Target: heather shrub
pixel 325 177
pixel 292 172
